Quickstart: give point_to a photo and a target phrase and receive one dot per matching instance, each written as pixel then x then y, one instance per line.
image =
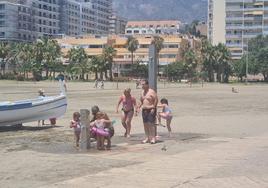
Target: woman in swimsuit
pixel 128 105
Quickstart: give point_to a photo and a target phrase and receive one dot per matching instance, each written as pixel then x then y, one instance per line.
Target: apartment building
pixel 216 21
pixel 245 19
pixel 94 45
pixel 103 10
pixel 77 18
pixel 117 24
pixel 153 27
pixel 202 28
pixel 240 21
pixel 27 20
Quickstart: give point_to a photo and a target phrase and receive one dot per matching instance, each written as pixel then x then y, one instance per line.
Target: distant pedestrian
pixel 96 83
pixel 41 93
pixel 102 84
pixel 137 84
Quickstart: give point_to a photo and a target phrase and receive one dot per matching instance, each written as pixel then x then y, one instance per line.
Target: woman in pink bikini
pixel 128 105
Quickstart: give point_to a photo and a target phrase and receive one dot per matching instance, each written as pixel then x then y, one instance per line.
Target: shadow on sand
pixel 20 127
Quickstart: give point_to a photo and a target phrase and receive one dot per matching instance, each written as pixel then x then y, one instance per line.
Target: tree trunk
pixel 132 58
pixel 105 74
pixel 111 73
pixel 265 75
pixel 101 75
pixel 47 73
pixel 210 76
pixel 96 75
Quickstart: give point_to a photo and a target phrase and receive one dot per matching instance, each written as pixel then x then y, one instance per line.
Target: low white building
pixel 153 27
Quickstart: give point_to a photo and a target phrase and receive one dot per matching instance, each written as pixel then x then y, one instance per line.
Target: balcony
pixel 237 27
pixel 233 36
pixel 234 18
pixel 235 45
pixel 234 9
pixel 253 27
pixel 251 35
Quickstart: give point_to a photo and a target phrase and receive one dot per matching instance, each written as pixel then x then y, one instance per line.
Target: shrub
pixel 20 78
pixel 121 79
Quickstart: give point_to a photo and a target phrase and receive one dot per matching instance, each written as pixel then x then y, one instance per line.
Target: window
pixel 2 34
pixel 2 23
pixel 2 7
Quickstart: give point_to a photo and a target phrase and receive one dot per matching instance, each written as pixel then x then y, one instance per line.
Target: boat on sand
pixel 41 108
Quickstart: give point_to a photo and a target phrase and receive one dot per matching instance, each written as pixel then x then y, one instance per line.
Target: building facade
pixel 103 10
pixel 170 27
pixel 240 21
pixel 94 45
pixel 77 18
pixel 117 24
pixel 27 20
pixel 202 28
pixel 216 21
pixel 245 19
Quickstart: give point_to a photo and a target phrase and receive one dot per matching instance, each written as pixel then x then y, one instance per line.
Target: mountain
pixel 184 10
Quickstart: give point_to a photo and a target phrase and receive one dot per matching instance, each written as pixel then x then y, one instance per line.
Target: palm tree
pixel 52 53
pixel 223 67
pixel 190 63
pixel 38 58
pixel 109 53
pixel 4 54
pixel 132 45
pixel 79 63
pixel 208 57
pixel 158 42
pixel 97 65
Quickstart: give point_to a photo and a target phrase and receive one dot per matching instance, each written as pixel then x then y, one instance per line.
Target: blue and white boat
pixel 24 111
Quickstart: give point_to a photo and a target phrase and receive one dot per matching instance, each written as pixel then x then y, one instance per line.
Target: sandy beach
pixel 204 117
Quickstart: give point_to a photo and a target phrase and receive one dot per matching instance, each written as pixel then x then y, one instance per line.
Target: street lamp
pixel 247 64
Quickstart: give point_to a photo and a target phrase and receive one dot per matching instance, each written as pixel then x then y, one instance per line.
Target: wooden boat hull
pixel 26 111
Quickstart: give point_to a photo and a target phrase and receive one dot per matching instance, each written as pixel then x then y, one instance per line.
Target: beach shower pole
pixel 152 67
pixel 84 136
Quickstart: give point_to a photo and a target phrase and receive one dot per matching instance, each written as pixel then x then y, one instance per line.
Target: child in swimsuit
pixel 165 114
pixel 100 129
pixel 76 125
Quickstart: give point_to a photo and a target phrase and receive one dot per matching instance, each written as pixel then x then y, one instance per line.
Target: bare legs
pixel 77 138
pixel 168 121
pixel 149 130
pixel 126 122
pixel 100 142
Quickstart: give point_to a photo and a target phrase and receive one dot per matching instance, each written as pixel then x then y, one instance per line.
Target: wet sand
pixel 34 156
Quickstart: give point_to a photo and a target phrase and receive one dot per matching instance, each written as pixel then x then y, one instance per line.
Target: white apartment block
pixel 153 27
pixel 240 21
pixel 117 24
pixel 245 19
pixel 27 20
pixel 77 18
pixel 216 21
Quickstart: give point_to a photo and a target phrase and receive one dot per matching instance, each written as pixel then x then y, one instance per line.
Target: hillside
pixel 184 10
